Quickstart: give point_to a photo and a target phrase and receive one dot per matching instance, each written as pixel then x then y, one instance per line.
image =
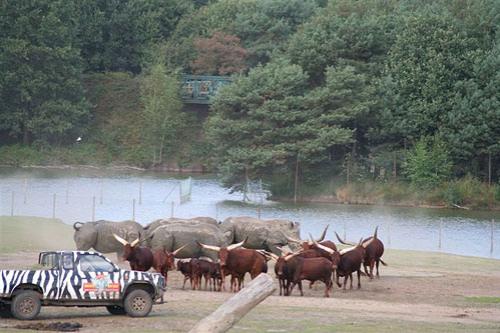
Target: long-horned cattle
pixel 373 253
pixel 236 261
pixel 140 258
pixel 351 260
pixel 164 261
pixel 310 244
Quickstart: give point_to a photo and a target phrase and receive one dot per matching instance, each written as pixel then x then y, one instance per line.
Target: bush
pixel 18 155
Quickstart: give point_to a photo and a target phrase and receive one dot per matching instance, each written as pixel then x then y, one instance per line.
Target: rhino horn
pixel 76 227
pixel 119 239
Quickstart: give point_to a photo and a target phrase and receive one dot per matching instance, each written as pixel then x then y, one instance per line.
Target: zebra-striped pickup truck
pixel 78 278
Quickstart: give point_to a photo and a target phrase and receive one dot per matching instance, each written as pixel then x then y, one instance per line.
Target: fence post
pixel 12 204
pixel 67 191
pixel 140 193
pixel 172 209
pixel 492 238
pixel 54 206
pixel 133 209
pixel 93 208
pixel 440 231
pixel 101 191
pixel 25 190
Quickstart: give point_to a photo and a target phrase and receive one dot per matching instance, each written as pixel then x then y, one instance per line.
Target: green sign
pixel 199 89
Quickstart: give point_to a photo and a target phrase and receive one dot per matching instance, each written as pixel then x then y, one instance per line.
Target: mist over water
pixel 80 195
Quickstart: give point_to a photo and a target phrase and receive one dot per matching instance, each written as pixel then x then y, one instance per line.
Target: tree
pixel 428 164
pixel 163 119
pixel 40 69
pixel 219 55
pixel 270 122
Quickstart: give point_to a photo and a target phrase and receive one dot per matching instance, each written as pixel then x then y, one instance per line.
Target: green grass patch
pixel 22 233
pixel 484 299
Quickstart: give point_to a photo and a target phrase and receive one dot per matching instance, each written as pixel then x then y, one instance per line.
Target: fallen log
pixel 235 308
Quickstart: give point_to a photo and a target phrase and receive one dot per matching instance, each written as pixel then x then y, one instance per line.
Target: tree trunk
pixel 235 308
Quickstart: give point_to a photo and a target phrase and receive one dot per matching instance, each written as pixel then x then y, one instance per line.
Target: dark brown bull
pixel 186 268
pixel 373 254
pixel 311 269
pixel 139 258
pixel 350 261
pixel 164 261
pixel 237 262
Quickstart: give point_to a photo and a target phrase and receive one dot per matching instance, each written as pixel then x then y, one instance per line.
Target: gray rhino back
pixel 106 243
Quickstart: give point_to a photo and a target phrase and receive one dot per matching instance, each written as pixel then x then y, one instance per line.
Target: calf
pixel 237 262
pixel 208 270
pixel 139 258
pixel 164 261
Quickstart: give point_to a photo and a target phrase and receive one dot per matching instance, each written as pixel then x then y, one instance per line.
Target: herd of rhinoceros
pixel 172 233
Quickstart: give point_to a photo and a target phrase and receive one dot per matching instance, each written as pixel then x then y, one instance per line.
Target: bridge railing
pixel 199 89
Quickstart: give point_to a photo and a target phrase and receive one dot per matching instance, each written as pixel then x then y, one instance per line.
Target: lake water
pixel 83 195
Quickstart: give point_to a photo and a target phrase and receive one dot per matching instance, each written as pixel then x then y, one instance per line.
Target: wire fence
pixel 144 202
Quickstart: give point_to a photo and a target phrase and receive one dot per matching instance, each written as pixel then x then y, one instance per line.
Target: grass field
pixel 22 233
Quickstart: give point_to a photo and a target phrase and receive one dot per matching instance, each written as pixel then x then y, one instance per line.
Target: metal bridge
pixel 199 89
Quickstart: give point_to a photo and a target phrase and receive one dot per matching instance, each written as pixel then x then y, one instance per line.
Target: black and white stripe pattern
pixel 68 284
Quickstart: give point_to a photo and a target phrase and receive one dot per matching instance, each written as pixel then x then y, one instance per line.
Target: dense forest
pixel 367 100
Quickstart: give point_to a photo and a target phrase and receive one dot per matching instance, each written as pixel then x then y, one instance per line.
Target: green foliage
pixel 40 71
pixel 19 155
pixel 163 120
pixel 468 191
pixel 428 164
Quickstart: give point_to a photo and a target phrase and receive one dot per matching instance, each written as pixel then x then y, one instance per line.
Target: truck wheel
pixel 116 309
pixel 138 303
pixel 26 305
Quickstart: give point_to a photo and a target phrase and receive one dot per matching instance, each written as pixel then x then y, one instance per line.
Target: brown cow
pixel 351 260
pixel 164 261
pixel 373 254
pixel 186 268
pixel 309 244
pixel 139 258
pixel 312 269
pixel 237 262
pixel 208 270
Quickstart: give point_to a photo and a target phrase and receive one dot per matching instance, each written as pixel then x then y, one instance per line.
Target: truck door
pixel 98 278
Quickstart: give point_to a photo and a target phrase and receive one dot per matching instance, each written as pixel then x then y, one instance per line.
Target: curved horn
pixel 179 249
pixel 375 233
pixel 323 234
pixel 134 243
pixel 343 241
pixel 349 249
pixel 208 247
pixel 234 246
pixel 284 251
pixel 77 228
pixel 324 248
pixel 368 242
pixel 293 240
pixel 360 241
pixel 121 240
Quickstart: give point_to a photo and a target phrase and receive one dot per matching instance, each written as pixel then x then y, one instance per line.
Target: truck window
pixel 50 261
pixel 67 261
pixel 95 263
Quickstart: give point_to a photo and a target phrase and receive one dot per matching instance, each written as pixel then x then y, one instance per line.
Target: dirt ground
pixel 418 292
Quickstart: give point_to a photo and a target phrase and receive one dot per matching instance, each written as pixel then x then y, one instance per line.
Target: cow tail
pixel 383 263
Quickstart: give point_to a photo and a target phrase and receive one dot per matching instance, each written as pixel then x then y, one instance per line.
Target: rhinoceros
pixel 99 235
pixel 173 233
pixel 262 234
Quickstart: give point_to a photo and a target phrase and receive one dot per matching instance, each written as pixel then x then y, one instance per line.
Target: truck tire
pixel 138 303
pixel 26 305
pixel 116 309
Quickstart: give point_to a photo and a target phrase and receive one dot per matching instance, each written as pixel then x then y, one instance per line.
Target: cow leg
pixel 300 288
pixel 280 283
pixel 359 279
pixel 337 280
pixel 378 262
pixel 346 277
pixel 327 287
pixel 291 288
pixel 372 264
pixel 350 276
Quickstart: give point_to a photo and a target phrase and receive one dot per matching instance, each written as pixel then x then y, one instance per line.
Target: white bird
pixel 79 139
